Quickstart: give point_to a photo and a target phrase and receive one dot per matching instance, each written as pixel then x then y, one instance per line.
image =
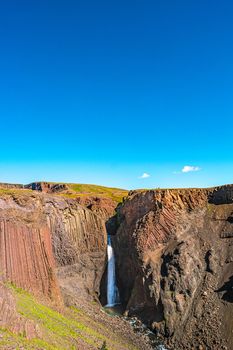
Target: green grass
pixel 71 329
pixel 10 340
pixel 14 191
pixel 76 190
pixel 116 194
pixel 87 190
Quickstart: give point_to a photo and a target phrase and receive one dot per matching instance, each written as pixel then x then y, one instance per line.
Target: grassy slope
pixel 77 190
pixel 86 190
pixel 70 330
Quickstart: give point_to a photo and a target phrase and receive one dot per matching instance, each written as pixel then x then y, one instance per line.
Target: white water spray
pixel 112 290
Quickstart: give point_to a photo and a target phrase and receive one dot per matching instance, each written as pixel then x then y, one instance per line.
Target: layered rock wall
pixel 26 257
pixel 47 242
pixel 79 244
pixel 174 252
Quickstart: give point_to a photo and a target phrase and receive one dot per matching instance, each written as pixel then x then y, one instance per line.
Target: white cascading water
pixel 112 290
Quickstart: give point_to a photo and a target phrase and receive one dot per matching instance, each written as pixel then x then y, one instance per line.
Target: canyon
pixel 174 264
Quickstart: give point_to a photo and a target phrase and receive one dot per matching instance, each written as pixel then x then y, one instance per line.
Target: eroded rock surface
pixel 79 244
pixel 26 256
pixel 174 253
pixel 47 242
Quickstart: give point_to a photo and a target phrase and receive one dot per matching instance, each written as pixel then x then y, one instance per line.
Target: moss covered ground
pixel 71 329
pixel 76 190
pixel 115 194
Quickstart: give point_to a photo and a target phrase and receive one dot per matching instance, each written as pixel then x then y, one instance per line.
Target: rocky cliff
pixel 47 240
pixel 54 248
pixel 174 253
pixel 26 256
pixel 99 199
pixel 79 243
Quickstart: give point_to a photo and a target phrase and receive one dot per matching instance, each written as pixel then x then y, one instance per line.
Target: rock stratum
pixel 174 255
pixel 42 235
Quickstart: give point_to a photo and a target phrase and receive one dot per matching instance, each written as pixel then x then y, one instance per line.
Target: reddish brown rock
pixel 173 252
pixel 79 244
pixel 48 240
pixel 104 207
pixel 26 257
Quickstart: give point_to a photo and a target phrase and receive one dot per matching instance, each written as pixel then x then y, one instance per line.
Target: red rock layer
pixel 41 235
pixel 26 258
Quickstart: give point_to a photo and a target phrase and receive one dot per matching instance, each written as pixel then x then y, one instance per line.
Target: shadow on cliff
pixel 227 290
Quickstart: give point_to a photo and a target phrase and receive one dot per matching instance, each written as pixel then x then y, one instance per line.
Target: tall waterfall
pixel 112 290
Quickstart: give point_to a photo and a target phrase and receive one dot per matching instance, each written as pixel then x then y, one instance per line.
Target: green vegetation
pixel 15 191
pixel 71 329
pixel 104 346
pixel 86 190
pixel 10 340
pixel 74 190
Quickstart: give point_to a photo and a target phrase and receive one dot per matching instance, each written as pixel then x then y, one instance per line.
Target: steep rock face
pixel 79 244
pixel 103 207
pixel 47 240
pixel 101 204
pixel 26 257
pixel 174 253
pixel 47 187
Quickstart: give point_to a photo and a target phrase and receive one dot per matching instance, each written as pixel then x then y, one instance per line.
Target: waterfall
pixel 112 290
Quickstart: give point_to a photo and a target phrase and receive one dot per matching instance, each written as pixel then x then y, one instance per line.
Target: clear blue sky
pixel 104 91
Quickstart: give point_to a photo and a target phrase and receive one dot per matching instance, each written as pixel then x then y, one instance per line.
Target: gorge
pixel 173 252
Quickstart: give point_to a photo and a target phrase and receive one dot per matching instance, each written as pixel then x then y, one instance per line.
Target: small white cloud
pixel 144 176
pixel 188 168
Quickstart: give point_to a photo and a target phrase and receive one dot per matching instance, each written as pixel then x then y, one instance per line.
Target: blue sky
pixel 105 91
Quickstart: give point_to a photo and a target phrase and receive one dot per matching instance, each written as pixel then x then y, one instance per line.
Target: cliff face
pixel 103 207
pixel 99 199
pixel 79 243
pixel 46 241
pixel 174 254
pixel 26 257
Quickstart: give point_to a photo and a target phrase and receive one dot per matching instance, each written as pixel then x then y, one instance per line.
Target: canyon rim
pixel 173 267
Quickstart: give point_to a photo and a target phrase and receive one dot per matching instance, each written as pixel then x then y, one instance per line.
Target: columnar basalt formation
pixel 26 256
pixel 174 253
pixel 46 241
pixel 103 207
pixel 102 204
pixel 79 244
pixel 173 249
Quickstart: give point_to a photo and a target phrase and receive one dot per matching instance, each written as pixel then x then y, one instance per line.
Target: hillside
pixel 73 190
